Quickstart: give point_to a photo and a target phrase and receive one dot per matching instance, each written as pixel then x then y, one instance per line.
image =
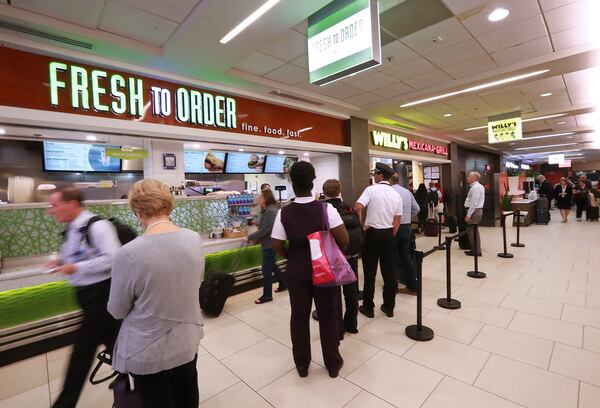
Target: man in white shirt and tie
pixel 474 205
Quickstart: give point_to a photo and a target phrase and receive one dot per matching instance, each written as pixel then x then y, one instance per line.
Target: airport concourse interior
pixel 316 203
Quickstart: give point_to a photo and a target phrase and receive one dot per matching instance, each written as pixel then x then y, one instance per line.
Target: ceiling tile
pixel 460 6
pixel 552 4
pixel 288 46
pixel 450 30
pixel 572 37
pixel 523 52
pixel 410 69
pixel 421 118
pixel 455 54
pixel 587 120
pixel 340 90
pixel 301 61
pixel 259 64
pixel 558 100
pixel 536 88
pixel 364 99
pixel 395 90
pixel 289 74
pixel 137 24
pixel 375 81
pixel 399 54
pixel 569 16
pixel 301 27
pixel 478 24
pixel 172 10
pixel 471 67
pixel 514 34
pixel 429 79
pixel 87 13
pixel 410 16
pixel 536 126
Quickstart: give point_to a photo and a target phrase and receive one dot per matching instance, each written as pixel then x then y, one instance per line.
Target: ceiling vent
pixel 295 98
pixel 43 34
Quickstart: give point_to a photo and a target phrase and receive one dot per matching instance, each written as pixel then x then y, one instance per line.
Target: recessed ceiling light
pixel 476 88
pixel 447 115
pixel 2 131
pixel 546 94
pixel 196 145
pixel 91 137
pixel 498 14
pixel 281 152
pixel 240 150
pixel 306 154
pixel 249 20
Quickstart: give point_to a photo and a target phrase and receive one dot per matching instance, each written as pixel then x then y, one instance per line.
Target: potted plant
pixel 506 206
pixel 513 179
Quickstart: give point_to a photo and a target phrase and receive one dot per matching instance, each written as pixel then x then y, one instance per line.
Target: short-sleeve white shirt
pixel 333 215
pixel 383 203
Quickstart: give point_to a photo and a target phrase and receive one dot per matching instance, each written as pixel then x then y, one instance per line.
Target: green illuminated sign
pixel 136 154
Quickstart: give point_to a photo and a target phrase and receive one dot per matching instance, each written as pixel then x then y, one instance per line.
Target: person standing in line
pixel 422 198
pixel 293 224
pixel 586 181
pixel 563 194
pixel 262 236
pixel 474 205
pixel 434 199
pixel 265 186
pixel 87 253
pixel 410 208
pixel 384 209
pixel 156 279
pixel 546 190
pixel 581 197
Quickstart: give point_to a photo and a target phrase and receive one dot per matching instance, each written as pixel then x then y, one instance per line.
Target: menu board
pixel 245 163
pixel 279 164
pixel 80 157
pixel 196 161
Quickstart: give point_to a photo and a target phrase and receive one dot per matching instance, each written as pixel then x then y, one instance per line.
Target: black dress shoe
pixel 367 312
pixel 471 253
pixel 334 373
pixel 387 312
pixel 302 371
pixel 351 331
pixel 315 315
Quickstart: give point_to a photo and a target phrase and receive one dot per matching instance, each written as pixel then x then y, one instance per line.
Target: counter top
pixel 523 201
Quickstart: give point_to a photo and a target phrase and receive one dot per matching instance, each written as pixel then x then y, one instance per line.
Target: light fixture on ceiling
pixel 196 145
pixel 281 152
pixel 547 146
pixel 2 131
pixel 306 154
pixel 447 115
pixel 545 136
pixel 546 94
pixel 477 87
pixel 248 21
pixel 561 123
pixel 524 120
pixel 91 138
pixel 498 14
pixel 240 150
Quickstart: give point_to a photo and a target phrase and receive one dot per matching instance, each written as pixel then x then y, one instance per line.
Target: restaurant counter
pixel 527 208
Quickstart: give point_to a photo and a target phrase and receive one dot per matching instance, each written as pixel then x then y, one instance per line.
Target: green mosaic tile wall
pixel 28 232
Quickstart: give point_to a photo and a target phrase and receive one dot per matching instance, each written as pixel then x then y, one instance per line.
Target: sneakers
pixel 367 312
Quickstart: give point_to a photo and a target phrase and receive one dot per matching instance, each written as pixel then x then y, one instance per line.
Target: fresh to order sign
pixel 393 141
pixel 505 129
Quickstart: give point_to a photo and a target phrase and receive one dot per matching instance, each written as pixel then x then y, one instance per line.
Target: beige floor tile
pixel 449 357
pixel 59 353
pixel 266 315
pixel 406 313
pixel 239 395
pixel 576 363
pixel 589 396
pixel 527 385
pixel 212 324
pixel 518 346
pixel 453 327
pixel 505 286
pixel 240 303
pixel 354 352
pixel 581 315
pixel 38 397
pixel 387 335
pixel 213 377
pixel 483 313
pixel 94 396
pixel 456 394
pixel 262 363
pixel 534 306
pixel 591 339
pixel 229 340
pixel 380 376
pixel 317 390
pixel 535 279
pixel 367 400
pixel 281 332
pixel 547 328
pixel 23 376
pixel 593 301
pixel 557 295
pixel 585 287
pixel 572 277
pixel 487 296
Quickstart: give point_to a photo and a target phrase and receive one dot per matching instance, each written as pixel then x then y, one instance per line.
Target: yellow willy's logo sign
pixel 505 130
pixel 389 140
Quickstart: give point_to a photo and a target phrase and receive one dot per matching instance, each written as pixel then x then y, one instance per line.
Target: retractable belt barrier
pixel 502 219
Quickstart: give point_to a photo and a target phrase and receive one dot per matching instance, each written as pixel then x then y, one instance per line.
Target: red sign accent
pixel 427 147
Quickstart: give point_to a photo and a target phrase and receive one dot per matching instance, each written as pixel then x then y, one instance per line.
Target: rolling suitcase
pixel 592 213
pixel 430 229
pixel 542 216
pixel 214 291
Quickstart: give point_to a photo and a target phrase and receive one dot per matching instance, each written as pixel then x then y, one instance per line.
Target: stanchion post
pixel 448 302
pixel 504 254
pixel 418 332
pixel 476 274
pixel 518 243
pixel 439 246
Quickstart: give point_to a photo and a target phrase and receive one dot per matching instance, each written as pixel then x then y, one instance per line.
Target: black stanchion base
pixel 517 245
pixel 476 275
pixel 505 255
pixel 425 334
pixel 439 247
pixel 449 304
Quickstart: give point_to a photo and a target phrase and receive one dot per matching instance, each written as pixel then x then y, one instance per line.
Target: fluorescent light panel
pixel 476 88
pixel 248 21
pixel 545 147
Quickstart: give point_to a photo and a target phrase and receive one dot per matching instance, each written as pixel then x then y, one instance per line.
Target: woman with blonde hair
pixel 563 194
pixel 154 289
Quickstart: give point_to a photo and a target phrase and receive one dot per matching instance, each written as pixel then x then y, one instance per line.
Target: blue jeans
pixel 405 271
pixel 268 267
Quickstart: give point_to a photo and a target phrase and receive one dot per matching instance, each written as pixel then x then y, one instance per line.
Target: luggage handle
pixel 103 358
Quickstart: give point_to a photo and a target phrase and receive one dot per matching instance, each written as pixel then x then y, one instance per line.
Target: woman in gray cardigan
pixel 263 236
pixel 155 282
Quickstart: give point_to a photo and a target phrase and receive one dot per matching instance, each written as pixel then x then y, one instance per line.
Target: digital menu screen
pixel 196 161
pixel 80 157
pixel 279 164
pixel 245 163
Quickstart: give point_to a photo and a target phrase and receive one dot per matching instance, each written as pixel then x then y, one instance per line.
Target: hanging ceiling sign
pixel 505 128
pixel 556 158
pixel 343 39
pixel 398 142
pixel 564 164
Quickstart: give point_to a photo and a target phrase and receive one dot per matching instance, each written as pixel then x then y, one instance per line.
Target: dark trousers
pixel 302 293
pixel 174 388
pixel 379 249
pixel 581 206
pixel 348 319
pixel 98 327
pixel 269 266
pixel 405 272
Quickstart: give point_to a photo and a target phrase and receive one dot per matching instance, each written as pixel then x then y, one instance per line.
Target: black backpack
pixel 214 291
pixel 124 232
pixel 434 197
pixel 354 228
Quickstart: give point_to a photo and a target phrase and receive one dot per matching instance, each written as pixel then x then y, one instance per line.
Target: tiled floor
pixel 526 336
